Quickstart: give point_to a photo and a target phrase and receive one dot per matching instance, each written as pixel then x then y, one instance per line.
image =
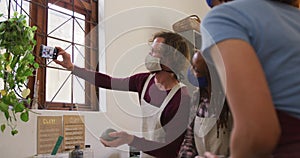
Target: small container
pixel 88 152
pixel 133 152
pixel 76 153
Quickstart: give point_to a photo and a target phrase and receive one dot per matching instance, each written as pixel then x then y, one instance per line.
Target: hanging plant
pixel 16 65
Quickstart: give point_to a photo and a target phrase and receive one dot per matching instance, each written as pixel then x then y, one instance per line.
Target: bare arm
pixel 256 127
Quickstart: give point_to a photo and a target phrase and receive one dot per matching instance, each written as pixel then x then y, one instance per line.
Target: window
pixel 68 33
pixel 70 25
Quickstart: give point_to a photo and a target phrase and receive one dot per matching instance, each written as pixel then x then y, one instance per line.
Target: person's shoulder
pixel 244 3
pixel 239 5
pixel 235 10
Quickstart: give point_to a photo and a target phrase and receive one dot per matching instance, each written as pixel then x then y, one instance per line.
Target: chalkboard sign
pixel 74 131
pixel 49 128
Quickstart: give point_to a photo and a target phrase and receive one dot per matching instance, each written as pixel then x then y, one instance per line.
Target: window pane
pixel 59 83
pixel 79 30
pixel 58 87
pixel 60 25
pixel 78 83
pixel 15 6
pixel 3 10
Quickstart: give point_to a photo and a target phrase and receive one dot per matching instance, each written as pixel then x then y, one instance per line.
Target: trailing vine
pixel 16 65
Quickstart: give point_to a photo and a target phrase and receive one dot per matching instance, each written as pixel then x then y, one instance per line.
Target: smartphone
pixel 48 52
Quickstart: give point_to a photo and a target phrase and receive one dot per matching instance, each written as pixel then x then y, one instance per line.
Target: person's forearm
pixel 96 78
pixel 248 143
pixel 256 127
pixel 105 81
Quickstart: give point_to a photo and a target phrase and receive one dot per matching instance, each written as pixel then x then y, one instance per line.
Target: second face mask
pixel 196 81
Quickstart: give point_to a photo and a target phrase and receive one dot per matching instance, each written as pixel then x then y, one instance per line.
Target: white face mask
pixel 152 63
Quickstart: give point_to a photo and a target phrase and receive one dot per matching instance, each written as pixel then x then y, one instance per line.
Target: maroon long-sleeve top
pixel 174 117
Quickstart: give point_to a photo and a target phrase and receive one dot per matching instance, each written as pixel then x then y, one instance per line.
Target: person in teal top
pixel 254 44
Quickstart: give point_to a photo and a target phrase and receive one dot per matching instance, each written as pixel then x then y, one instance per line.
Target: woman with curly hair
pixel 164 100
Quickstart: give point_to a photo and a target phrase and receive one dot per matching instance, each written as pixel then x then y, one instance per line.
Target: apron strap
pixel 146 85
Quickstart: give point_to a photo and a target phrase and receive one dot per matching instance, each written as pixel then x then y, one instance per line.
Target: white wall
pixel 128 26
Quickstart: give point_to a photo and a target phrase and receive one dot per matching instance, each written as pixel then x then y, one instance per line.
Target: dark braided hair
pixel 224 116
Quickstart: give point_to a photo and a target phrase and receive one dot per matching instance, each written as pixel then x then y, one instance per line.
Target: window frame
pixel 37 83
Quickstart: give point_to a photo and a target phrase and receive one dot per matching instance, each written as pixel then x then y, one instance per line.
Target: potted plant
pixel 16 65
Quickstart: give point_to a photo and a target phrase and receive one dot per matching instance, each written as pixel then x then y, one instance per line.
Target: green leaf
pixel 28 101
pixel 15 14
pixel 3 107
pixel 34 28
pixel 2 27
pixel 7 115
pixel 14 61
pixel 19 107
pixel 28 72
pixel 14 132
pixel 25 116
pixel 3 126
pixel 36 65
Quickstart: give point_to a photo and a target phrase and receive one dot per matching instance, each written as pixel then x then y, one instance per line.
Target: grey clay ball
pixel 105 135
